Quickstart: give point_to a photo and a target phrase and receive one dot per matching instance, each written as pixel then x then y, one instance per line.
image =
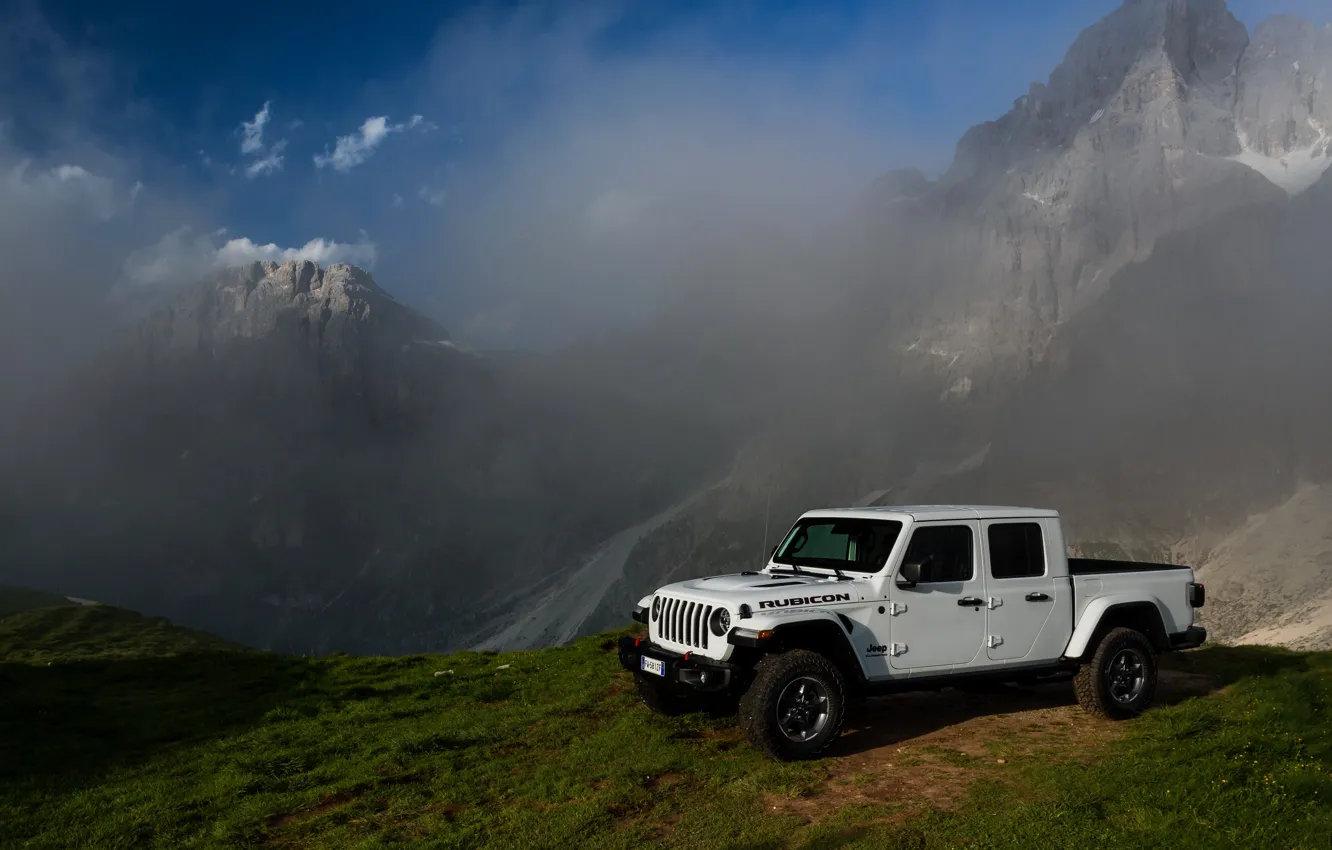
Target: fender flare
pixel 1089 623
pixel 820 625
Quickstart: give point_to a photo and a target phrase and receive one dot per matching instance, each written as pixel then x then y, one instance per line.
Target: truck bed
pixel 1166 586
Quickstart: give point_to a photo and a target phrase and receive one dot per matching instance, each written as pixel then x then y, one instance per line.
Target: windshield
pixel 833 543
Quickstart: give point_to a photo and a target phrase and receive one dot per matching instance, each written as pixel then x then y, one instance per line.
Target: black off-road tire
pixel 805 673
pixel 659 700
pixel 1099 683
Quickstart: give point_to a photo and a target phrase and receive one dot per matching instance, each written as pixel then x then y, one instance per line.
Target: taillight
pixel 1197 595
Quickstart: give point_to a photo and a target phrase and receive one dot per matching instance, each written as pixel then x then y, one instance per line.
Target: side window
pixel 943 551
pixel 1016 550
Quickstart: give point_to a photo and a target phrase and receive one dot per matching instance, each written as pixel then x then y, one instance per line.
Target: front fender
pixel 1091 618
pixel 775 620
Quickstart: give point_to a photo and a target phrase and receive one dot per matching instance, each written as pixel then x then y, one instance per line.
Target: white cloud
pixel 252 132
pixel 135 190
pixel 351 150
pixel 269 164
pixel 434 197
pixel 66 185
pixel 322 251
pixel 180 257
pixel 397 200
pixel 267 161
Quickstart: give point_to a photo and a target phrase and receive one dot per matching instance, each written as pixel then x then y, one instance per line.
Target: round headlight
pixel 656 607
pixel 721 622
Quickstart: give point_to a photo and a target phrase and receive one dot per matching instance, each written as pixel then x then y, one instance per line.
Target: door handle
pixel 1037 597
pixel 968 601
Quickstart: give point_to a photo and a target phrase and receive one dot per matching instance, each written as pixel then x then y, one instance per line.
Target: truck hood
pixel 778 591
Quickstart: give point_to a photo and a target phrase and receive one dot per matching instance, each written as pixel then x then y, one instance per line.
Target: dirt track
pixel 924 750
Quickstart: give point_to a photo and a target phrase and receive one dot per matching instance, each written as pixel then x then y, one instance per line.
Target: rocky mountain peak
pixel 1144 56
pixel 334 311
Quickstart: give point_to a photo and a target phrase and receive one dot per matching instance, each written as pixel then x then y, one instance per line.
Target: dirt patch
pixel 450 811
pixel 914 752
pixel 327 804
pixel 669 779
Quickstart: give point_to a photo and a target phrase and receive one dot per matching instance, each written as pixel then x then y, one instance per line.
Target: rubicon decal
pixel 796 601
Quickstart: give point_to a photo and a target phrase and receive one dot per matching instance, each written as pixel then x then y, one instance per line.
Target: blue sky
pixel 521 171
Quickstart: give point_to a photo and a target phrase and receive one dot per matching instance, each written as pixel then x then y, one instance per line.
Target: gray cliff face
pixel 1284 99
pixel 1148 127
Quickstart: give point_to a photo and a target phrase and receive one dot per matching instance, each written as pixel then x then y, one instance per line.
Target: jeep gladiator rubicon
pixel 865 601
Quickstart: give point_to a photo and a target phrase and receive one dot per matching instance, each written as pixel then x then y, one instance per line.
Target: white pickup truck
pixel 863 601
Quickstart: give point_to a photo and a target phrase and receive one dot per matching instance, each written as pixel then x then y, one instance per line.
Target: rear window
pixel 1016 550
pixel 862 545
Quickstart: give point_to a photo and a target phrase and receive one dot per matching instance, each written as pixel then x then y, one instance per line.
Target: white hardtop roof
pixel 925 513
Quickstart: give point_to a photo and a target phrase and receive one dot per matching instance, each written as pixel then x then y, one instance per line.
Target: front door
pixel 1023 594
pixel 939 623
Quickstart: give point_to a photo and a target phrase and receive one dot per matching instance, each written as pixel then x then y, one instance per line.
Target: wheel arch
pixel 1137 613
pixel 828 638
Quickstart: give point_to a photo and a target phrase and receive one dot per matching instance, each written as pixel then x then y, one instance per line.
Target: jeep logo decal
pixel 796 601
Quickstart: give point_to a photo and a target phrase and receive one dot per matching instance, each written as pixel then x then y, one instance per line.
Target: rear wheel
pixel 795 705
pixel 1119 681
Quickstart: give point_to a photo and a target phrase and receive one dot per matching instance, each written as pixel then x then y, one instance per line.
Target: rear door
pixel 1022 593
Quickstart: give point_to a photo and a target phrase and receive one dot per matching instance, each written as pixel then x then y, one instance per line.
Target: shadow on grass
pixel 1229 664
pixel 888 721
pixel 71 722
pixel 901 839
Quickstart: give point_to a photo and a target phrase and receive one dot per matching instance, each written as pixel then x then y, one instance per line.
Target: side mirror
pixel 908 575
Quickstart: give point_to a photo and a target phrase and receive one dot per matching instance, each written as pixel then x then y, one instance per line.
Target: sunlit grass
pixel 224 748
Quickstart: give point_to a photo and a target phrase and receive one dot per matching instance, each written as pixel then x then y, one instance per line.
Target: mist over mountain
pixel 1110 303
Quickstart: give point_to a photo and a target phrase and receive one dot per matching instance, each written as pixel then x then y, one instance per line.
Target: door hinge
pixel 898 649
pixel 896 608
pixel 994 602
pixel 993 641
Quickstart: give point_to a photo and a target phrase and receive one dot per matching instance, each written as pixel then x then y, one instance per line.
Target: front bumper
pixel 1190 638
pixel 683 674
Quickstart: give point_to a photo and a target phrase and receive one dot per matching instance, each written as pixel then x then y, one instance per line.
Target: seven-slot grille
pixel 684 622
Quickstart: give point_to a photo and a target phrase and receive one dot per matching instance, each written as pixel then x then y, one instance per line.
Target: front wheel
pixel 795 705
pixel 1119 680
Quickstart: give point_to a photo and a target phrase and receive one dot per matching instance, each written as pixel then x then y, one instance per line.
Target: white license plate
pixel 652 665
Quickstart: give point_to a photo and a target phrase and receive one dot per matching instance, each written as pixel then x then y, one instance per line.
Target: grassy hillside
pixel 97 633
pixel 15 599
pixel 184 745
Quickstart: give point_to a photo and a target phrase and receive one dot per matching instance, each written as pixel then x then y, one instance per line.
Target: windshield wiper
pixel 795 568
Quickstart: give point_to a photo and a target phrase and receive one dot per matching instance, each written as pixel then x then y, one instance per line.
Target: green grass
pixel 16 599
pixel 186 745
pixel 97 632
